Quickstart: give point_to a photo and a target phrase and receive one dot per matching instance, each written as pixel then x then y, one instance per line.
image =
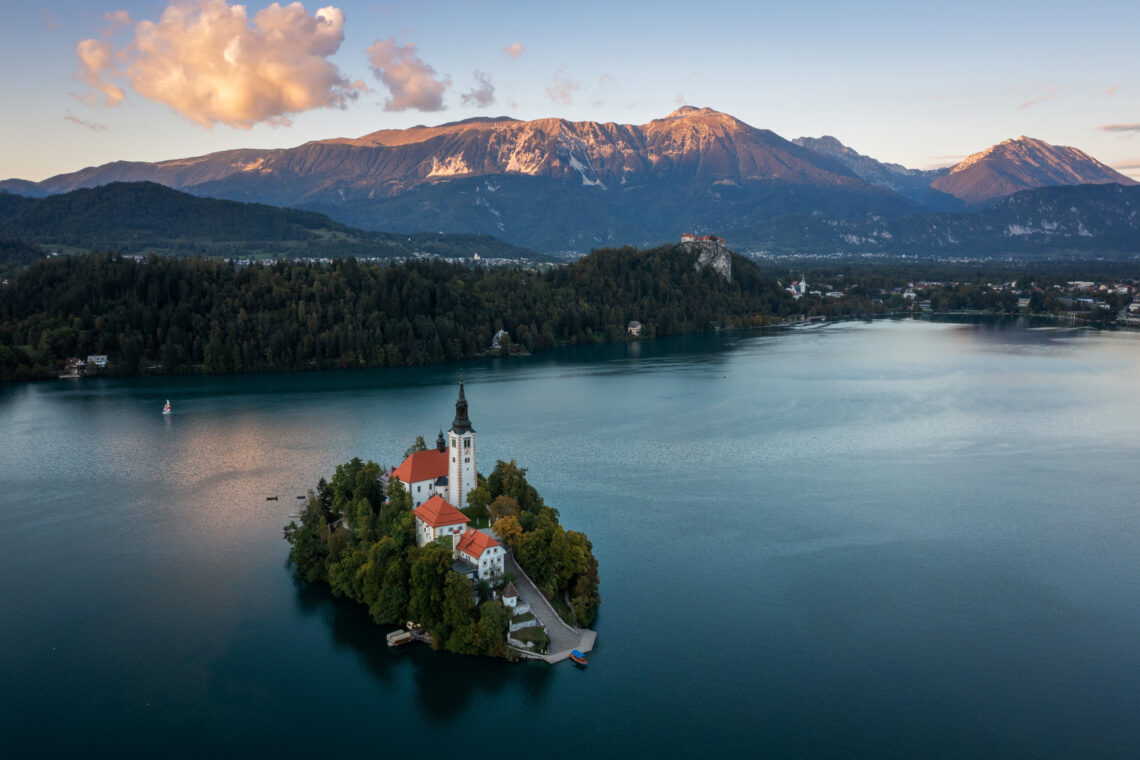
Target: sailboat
pixel 166 409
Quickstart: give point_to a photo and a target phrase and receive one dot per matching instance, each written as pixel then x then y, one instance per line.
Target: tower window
pixel 466 443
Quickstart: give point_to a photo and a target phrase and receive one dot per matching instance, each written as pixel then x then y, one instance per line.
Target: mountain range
pixel 555 185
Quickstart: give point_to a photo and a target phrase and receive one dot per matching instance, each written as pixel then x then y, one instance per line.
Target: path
pixel 563 636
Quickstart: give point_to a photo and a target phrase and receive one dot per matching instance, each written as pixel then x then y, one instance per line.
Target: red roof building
pixel 437 513
pixel 422 465
pixel 481 550
pixel 474 542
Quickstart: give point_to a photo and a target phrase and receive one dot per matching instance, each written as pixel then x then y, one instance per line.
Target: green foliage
pixel 478 501
pixel 194 315
pixel 15 255
pixel 417 445
pixel 560 562
pixel 362 543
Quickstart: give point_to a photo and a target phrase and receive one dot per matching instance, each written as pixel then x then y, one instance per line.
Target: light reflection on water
pixel 880 540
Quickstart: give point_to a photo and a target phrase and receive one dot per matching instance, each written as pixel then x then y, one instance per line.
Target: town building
pixel 634 328
pixel 798 288
pixel 481 551
pixel 436 519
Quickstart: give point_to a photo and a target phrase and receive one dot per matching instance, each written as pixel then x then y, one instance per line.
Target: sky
pixel 921 84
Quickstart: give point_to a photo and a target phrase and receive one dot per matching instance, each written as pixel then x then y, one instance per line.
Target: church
pixel 439 480
pixel 448 470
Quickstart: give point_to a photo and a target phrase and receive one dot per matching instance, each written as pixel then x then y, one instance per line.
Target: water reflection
pixel 445 686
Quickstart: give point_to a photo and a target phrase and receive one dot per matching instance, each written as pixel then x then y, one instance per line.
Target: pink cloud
pixel 562 89
pixel 514 50
pixel 412 83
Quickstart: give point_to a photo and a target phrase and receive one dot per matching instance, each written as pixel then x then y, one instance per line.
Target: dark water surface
pixel 898 540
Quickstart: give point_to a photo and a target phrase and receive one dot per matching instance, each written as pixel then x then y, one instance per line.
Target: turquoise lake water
pixel 888 540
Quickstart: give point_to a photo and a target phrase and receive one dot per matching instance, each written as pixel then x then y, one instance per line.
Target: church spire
pixel 461 423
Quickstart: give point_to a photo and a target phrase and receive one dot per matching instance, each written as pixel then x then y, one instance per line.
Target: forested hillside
pixel 176 315
pixel 144 218
pixel 15 255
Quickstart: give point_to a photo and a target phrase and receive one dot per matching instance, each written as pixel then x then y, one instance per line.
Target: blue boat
pixel 578 657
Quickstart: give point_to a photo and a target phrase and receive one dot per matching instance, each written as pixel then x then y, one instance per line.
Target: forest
pixel 141 218
pixel 360 540
pixel 198 315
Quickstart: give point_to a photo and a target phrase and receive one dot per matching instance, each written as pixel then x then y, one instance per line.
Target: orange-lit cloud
pixel 1120 128
pixel 412 83
pixel 211 63
pixel 96 67
pixel 514 50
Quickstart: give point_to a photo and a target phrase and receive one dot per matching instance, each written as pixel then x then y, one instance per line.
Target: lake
pixel 882 540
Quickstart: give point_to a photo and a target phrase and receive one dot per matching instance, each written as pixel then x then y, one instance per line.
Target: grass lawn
pixel 537 635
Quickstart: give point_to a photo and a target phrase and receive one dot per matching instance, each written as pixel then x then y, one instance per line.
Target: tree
pixel 509 531
pixel 478 500
pixel 429 576
pixel 417 445
pixel 503 506
pixel 458 613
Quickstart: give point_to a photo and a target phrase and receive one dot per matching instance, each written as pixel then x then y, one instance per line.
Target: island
pixel 500 577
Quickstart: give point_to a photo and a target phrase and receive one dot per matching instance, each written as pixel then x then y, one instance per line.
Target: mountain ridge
pixel 1023 163
pixel 557 185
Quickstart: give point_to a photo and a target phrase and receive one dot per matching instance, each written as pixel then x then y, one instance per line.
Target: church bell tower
pixel 460 454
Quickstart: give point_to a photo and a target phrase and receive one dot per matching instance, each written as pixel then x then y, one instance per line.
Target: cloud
pixel 1049 94
pixel 211 63
pixel 1133 165
pixel 514 50
pixel 96 67
pixel 116 20
pixel 481 96
pixel 49 20
pixel 1112 90
pixel 1119 128
pixel 561 90
pixel 83 123
pixel 679 99
pixel 411 82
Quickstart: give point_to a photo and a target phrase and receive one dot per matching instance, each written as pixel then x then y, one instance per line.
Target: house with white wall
pixel 482 552
pixel 436 518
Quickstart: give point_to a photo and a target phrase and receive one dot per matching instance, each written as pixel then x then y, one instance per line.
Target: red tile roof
pixel 438 513
pixel 422 465
pixel 474 542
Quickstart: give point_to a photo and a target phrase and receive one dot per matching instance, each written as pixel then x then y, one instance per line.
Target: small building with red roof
pixel 481 551
pixel 436 518
pixel 424 473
